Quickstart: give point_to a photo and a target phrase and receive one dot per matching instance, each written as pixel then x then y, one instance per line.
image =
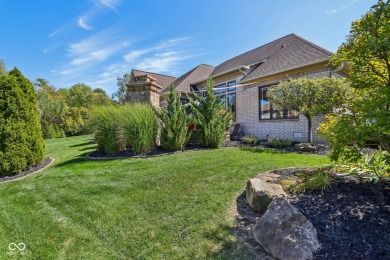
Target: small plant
pixel 310 181
pixel 374 167
pixel 279 142
pixel 249 139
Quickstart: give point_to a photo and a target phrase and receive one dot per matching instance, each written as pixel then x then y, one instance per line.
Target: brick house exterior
pixel 242 82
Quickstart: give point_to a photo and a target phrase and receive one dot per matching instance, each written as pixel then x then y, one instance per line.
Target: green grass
pixel 171 207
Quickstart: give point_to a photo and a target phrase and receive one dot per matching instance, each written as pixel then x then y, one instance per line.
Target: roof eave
pixel 325 60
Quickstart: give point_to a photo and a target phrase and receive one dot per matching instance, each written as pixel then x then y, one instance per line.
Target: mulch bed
pixel 322 149
pixel 352 219
pixel 46 162
pixel 101 155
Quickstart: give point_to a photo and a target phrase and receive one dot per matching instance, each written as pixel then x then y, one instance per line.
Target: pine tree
pixel 211 118
pixel 174 120
pixel 21 142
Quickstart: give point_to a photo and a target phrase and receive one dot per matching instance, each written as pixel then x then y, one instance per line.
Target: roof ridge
pixel 313 44
pixel 257 48
pixel 155 73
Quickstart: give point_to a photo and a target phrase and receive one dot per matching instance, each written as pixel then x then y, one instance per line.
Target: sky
pixel 96 41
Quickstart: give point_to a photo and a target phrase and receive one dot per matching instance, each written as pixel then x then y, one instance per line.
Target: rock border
pixel 47 162
pixel 245 218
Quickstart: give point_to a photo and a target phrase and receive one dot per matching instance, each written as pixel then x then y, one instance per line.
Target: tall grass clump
pixel 141 127
pixel 106 124
pixel 174 121
pixel 211 118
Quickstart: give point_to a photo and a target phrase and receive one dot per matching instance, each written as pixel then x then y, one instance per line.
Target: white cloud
pixel 161 62
pixel 82 24
pixel 111 4
pixel 345 6
pixel 133 55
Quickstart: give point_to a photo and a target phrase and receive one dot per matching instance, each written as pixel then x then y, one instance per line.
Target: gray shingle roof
pixel 183 83
pixel 163 80
pixel 282 54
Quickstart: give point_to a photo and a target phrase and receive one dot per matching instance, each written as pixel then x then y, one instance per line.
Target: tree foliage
pixel 174 122
pixel 21 142
pixel 366 111
pixel 310 97
pixel 211 118
pixel 3 68
pixel 121 93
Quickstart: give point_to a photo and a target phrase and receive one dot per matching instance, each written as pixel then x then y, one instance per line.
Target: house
pixel 242 83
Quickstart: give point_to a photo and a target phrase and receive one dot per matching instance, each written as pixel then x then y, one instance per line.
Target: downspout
pixel 341 67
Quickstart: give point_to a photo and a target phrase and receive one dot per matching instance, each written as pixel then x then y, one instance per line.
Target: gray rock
pixel 260 193
pixel 285 233
pixel 305 147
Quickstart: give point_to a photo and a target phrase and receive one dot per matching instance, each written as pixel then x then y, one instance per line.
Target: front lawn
pixel 172 207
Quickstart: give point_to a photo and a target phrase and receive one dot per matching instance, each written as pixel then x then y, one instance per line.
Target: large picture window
pixel 267 110
pixel 227 95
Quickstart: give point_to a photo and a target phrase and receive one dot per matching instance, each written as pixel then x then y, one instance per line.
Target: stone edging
pixel 25 174
pixel 92 158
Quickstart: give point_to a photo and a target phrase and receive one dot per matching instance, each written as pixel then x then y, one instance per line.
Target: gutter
pixel 280 71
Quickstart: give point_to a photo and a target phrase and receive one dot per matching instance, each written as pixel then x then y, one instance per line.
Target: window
pixel 219 91
pixel 230 84
pixel 232 104
pixel 267 110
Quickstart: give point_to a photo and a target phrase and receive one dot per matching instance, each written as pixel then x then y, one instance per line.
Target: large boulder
pixel 285 233
pixel 260 193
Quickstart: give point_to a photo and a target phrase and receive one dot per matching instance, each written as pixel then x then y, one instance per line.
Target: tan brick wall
pixel 248 113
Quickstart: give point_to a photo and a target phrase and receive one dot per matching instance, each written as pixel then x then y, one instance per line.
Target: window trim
pixel 271 108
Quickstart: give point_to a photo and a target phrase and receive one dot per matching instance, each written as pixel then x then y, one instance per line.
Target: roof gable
pixel 282 54
pixel 183 83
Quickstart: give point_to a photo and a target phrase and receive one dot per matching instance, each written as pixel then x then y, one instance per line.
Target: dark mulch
pixel 34 169
pixel 322 149
pixel 352 220
pixel 96 155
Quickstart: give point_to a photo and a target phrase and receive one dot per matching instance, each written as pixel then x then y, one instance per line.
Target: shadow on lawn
pixel 231 249
pixel 262 150
pixel 76 160
pixel 82 144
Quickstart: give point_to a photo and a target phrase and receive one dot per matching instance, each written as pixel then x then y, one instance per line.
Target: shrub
pixel 21 141
pixel 141 127
pixel 279 142
pixel 249 139
pixel 211 118
pixel 174 121
pixel 310 181
pixel 106 124
pixel 374 167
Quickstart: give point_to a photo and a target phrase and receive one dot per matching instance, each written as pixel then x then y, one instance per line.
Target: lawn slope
pixel 172 207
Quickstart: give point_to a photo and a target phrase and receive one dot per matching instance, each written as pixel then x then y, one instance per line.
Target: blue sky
pixel 94 41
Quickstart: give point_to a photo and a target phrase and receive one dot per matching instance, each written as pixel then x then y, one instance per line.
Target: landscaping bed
pixel 321 149
pixel 46 162
pixel 128 153
pixel 352 218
